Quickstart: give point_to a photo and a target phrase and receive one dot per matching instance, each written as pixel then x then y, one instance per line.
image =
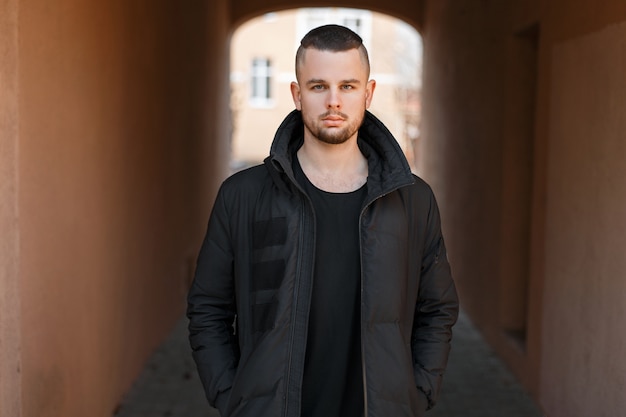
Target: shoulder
pixel 420 199
pixel 243 183
pixel 247 179
pixel 239 192
pixel 420 189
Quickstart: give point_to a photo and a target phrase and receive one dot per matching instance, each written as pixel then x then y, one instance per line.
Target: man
pixel 322 287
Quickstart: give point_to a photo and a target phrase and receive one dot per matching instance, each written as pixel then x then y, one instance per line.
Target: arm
pixel 211 310
pixel 436 311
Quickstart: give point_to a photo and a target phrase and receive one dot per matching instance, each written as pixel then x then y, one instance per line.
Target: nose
pixel 334 99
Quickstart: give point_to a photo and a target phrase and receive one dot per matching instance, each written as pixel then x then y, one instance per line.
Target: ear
pixel 369 92
pixel 295 94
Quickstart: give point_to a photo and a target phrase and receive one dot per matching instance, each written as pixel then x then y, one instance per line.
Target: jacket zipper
pixel 297 297
pixel 362 324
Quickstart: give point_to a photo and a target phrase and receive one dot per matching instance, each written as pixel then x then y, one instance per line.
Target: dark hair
pixel 333 38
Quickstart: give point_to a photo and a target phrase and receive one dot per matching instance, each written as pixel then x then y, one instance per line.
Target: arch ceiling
pixel 410 11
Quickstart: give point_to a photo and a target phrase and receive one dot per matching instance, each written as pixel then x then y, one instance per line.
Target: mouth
pixel 333 122
pixel 333 119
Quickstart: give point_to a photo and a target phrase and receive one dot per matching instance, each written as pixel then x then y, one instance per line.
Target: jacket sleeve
pixel 211 310
pixel 436 310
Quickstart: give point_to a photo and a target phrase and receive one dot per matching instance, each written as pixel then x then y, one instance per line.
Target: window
pixel 354 23
pixel 261 92
pixel 360 21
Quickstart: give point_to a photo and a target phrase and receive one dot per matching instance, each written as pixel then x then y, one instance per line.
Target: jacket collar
pixel 387 165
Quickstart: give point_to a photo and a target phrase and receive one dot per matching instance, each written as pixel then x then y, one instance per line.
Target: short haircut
pixel 334 38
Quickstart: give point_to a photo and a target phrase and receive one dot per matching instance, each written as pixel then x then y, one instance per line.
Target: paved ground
pixel 476 384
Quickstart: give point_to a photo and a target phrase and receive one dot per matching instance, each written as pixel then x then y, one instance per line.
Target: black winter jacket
pixel 249 302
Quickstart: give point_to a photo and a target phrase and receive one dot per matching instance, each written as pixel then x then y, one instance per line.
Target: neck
pixel 333 168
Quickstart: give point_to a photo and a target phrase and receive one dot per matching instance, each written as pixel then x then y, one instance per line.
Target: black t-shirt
pixel 333 375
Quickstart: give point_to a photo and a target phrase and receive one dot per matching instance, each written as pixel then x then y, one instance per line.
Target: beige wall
pixel 462 147
pixel 523 142
pixel 9 213
pixel 104 140
pixel 584 370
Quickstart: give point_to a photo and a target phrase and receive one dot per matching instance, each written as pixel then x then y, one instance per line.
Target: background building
pixel 262 68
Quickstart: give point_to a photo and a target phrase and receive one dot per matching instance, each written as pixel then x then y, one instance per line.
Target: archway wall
pixel 10 335
pixel 410 11
pixel 583 127
pixel 116 139
pixel 552 163
pixel 467 49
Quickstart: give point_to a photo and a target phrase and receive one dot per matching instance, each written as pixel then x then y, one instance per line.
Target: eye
pixel 317 87
pixel 347 87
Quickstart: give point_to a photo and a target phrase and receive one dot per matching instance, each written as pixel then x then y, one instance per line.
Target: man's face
pixel 333 93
